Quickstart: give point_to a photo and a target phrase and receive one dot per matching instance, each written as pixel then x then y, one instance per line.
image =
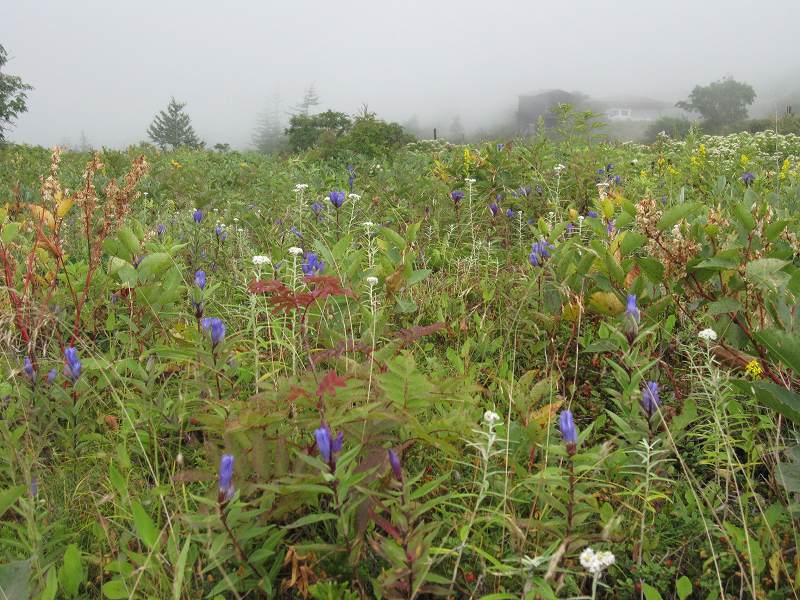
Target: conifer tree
pixel 310 99
pixel 173 128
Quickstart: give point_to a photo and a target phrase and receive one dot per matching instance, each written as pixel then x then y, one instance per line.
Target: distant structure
pixel 618 109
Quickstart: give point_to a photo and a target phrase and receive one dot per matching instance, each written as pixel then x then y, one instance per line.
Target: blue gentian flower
pixel 651 399
pixel 610 227
pixel 570 228
pixel 601 171
pixel 327 444
pixel 161 229
pixel 317 208
pixel 197 215
pixel 337 199
pixel 216 327
pixel 617 179
pixel 494 208
pixel 34 486
pixel 351 176
pixel 296 232
pixel 312 264
pixel 394 461
pixel 566 424
pixel 748 178
pixel 27 367
pixel 73 368
pixel 510 213
pixel 632 310
pixel 500 147
pixel 540 251
pixel 226 488
pixel 592 214
pixel 200 279
pixel 51 376
pixel 457 196
pixel 609 167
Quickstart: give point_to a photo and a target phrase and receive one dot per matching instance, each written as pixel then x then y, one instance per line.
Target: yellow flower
pixel 175 164
pixel 744 160
pixel 784 168
pixel 672 170
pixel 702 150
pixel 753 368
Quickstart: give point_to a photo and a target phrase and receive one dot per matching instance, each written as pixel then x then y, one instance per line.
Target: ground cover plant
pixel 552 368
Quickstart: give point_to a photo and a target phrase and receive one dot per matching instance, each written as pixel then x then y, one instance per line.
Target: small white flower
pixel 558 168
pixel 261 260
pixel 300 187
pixel 708 335
pixel 491 417
pixel 595 562
pixel 368 224
pixel 354 197
pixel 470 180
pixel 295 250
pixel 372 281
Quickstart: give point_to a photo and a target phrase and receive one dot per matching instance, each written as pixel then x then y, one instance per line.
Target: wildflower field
pixel 552 368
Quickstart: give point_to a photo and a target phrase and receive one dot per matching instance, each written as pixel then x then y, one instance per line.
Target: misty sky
pixel 106 68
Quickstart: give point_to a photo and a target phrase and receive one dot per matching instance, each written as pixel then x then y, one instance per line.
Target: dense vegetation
pixel 447 371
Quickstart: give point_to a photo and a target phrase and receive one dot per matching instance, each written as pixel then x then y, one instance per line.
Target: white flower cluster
pixel 261 260
pixel 558 168
pixel 295 250
pixel 354 197
pixel 372 281
pixel 470 180
pixel 300 187
pixel 708 335
pixel 595 562
pixel 491 417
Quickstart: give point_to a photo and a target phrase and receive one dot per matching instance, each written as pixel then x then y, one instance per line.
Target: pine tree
pixel 173 128
pixel 310 99
pixel 268 136
pixel 12 96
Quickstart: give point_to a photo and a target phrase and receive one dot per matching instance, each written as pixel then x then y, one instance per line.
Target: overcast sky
pixel 106 67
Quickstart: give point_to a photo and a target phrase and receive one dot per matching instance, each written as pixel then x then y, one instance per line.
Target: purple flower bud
pixel 220 232
pixel 570 228
pixel 226 488
pixel 197 215
pixel 610 229
pixel 632 310
pixel 51 376
pixel 500 147
pixel 327 444
pixel 592 214
pixel 617 179
pixel 609 167
pixel 510 213
pixel 161 229
pixel 651 399
pixel 394 461
pixel 567 426
pixel 27 367
pixel 216 327
pixel 540 251
pixel 337 199
pixel 34 486
pixel 748 178
pixel 317 208
pixel 73 368
pixel 494 208
pixel 457 196
pixel 296 232
pixel 200 279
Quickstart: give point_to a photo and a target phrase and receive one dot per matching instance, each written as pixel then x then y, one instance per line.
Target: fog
pixel 106 68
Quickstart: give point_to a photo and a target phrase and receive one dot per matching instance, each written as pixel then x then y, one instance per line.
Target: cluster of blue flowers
pixel 327 444
pixel 312 264
pixel 540 252
pixel 215 327
pixel 337 199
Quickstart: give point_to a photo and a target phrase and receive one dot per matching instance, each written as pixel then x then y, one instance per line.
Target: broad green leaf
pixel 145 527
pixel 683 587
pixel 766 273
pixel 180 568
pixel 676 213
pixel 778 398
pixel 116 589
pixel 9 496
pixel 311 519
pixel 724 305
pixel 14 578
pixel 743 216
pixel 71 573
pixel 781 346
pixel 650 593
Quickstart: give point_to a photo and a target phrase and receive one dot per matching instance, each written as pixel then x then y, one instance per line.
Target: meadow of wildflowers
pixel 526 369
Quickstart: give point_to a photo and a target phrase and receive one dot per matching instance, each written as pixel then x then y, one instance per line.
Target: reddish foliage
pixel 418 331
pixel 285 299
pixel 341 348
pixel 296 392
pixel 329 384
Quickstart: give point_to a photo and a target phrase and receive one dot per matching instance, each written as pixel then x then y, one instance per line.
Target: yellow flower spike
pixel 744 160
pixel 753 369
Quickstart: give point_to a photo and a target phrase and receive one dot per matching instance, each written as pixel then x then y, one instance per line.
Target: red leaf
pixel 329 384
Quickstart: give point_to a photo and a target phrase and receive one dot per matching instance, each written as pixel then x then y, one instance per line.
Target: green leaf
pixel 51 585
pixel 781 346
pixel 743 216
pixel 311 519
pixel 14 578
pixel 145 527
pixel 723 306
pixel 417 276
pixel 9 496
pixel 116 589
pixel 154 265
pixel 650 593
pixel 180 568
pixel 778 398
pixel 633 240
pixel 676 213
pixel 129 241
pixel 71 573
pixel 766 273
pixel 683 587
pixel 652 268
pixel 10 231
